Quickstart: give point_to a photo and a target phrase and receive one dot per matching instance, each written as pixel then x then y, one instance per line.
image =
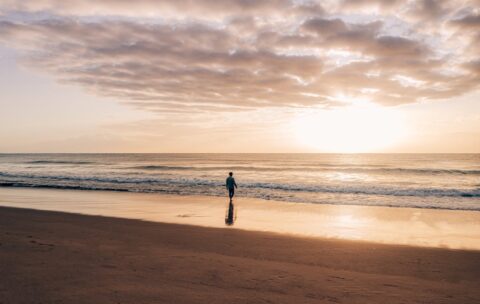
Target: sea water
pixel 441 181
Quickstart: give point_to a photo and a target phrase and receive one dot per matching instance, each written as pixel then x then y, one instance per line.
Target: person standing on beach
pixel 231 185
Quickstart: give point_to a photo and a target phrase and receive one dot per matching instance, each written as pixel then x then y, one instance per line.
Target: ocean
pixel 440 181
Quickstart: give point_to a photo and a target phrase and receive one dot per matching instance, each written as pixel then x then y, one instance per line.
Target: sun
pixel 350 129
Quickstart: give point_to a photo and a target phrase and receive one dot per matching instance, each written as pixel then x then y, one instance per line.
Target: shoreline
pixel 51 257
pixel 409 226
pixel 73 188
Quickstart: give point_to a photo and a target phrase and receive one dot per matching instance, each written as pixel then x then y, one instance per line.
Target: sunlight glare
pixel 351 129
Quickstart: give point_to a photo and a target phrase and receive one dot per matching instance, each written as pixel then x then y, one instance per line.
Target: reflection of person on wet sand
pixel 231 185
pixel 230 216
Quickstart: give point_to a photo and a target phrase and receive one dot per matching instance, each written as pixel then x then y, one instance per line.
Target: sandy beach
pixel 54 257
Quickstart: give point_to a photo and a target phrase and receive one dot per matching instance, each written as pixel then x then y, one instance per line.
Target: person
pixel 231 185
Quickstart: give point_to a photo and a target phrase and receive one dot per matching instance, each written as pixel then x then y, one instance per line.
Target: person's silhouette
pixel 231 185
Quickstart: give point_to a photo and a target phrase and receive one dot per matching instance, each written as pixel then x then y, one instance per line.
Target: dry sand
pixel 53 257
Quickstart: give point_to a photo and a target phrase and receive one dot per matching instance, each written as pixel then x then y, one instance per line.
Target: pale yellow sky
pixel 237 77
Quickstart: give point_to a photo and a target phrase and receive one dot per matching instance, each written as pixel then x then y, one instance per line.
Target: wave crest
pixel 154 184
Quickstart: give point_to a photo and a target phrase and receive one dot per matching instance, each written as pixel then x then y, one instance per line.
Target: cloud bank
pixel 205 55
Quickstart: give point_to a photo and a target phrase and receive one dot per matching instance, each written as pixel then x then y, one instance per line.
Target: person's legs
pixel 231 193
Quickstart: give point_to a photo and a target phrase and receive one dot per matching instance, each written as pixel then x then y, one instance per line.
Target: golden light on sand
pixel 350 129
pixel 346 220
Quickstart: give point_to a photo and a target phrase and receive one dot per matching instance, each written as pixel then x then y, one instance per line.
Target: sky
pixel 230 76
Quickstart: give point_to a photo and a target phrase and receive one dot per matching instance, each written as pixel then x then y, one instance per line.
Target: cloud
pixel 384 4
pixel 468 22
pixel 198 9
pixel 240 54
pixel 473 66
pixel 430 9
pixel 325 27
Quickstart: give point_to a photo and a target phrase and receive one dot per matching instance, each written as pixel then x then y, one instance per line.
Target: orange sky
pixel 240 76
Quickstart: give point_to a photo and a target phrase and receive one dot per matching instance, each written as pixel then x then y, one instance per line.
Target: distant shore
pixel 53 257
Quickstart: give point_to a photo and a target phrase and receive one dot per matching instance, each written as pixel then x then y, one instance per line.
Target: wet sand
pixel 53 257
pixel 454 229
